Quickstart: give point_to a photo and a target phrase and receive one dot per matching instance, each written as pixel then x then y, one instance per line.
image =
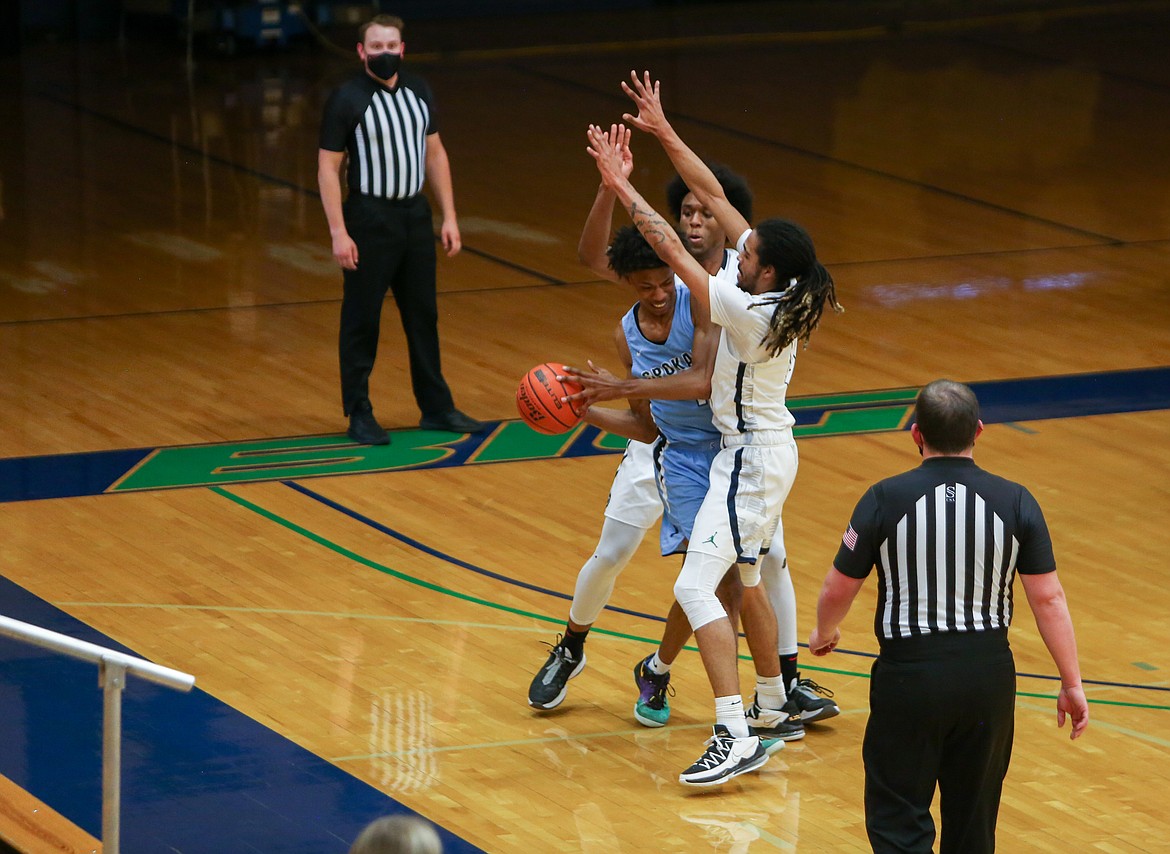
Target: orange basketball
pixel 539 400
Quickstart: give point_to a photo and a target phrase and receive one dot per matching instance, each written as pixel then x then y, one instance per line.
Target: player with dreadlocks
pixel 781 294
pixel 804 284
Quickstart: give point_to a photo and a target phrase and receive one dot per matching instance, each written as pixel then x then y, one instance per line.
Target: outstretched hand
pixel 598 384
pixel 645 93
pixel 622 135
pixel 611 151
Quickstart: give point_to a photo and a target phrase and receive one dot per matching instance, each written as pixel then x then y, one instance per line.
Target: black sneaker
pixel 453 422
pixel 365 429
pixel 724 758
pixel 548 688
pixel 774 723
pixel 803 701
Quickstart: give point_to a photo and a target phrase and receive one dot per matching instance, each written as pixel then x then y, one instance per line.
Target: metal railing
pixel 112 669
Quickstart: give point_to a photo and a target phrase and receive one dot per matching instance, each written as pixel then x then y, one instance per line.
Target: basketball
pixel 539 400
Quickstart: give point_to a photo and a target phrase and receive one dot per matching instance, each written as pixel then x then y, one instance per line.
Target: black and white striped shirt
pixel 384 131
pixel 948 539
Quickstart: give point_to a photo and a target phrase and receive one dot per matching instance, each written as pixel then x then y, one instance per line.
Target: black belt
pixel 943 644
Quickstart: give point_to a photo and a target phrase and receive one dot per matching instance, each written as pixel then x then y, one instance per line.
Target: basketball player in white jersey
pixel 634 503
pixel 781 292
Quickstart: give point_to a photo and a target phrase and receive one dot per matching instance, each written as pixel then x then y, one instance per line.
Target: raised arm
pixel 591 248
pixel 698 177
pixel 1046 599
pixel 659 233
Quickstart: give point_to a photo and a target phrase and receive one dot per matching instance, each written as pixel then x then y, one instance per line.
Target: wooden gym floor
pixel 993 197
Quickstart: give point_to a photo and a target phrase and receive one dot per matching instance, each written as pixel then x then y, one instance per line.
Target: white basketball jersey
pixel 749 385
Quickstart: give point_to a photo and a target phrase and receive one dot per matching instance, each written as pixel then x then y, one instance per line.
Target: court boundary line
pixel 337 548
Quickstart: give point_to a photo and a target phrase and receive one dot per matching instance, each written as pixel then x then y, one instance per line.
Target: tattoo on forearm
pixel 653 227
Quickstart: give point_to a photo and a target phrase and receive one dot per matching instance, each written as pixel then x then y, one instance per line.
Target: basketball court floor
pixel 992 196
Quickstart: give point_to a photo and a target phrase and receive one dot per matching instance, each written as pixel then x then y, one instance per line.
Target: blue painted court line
pixel 198 777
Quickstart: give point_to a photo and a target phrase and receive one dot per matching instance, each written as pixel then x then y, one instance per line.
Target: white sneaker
pixel 724 758
pixel 774 723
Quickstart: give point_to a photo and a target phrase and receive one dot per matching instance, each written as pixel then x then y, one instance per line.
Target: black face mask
pixel 384 65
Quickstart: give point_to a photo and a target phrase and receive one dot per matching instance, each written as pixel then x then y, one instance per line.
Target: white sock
pixel 729 712
pixel 657 666
pixel 770 692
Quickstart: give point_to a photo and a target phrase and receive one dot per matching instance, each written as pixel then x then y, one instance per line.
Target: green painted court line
pixel 1096 702
pixel 885 397
pixel 1096 724
pixel 401 576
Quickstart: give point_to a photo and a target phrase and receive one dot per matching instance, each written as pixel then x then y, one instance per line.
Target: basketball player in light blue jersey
pixel 634 501
pixel 634 504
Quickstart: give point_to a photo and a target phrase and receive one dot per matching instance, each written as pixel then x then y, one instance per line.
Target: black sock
pixel 574 642
pixel 788 671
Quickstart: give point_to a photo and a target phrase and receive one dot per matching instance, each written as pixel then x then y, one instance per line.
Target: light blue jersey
pixel 682 470
pixel 678 420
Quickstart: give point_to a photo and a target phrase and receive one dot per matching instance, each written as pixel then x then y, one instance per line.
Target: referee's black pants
pixel 942 710
pixel 396 251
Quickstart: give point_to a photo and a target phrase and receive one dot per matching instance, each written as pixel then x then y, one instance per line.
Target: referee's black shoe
pixel 365 429
pixel 453 422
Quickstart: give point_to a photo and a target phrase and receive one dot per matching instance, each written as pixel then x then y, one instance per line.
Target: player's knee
pixel 616 547
pixel 603 565
pixel 700 604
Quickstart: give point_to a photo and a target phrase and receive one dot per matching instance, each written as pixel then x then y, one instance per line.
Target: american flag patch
pixel 849 538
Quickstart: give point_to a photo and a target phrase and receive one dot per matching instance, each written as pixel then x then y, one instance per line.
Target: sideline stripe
pixel 410 541
pixel 354 556
pixel 351 615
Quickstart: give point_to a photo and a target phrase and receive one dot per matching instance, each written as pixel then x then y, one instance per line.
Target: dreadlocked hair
pixel 805 285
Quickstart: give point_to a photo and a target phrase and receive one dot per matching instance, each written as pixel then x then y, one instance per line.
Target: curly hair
pixel 630 253
pixel 804 284
pixel 733 184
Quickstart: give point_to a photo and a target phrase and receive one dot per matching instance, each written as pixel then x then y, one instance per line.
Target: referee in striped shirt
pixel 948 539
pixel 383 122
